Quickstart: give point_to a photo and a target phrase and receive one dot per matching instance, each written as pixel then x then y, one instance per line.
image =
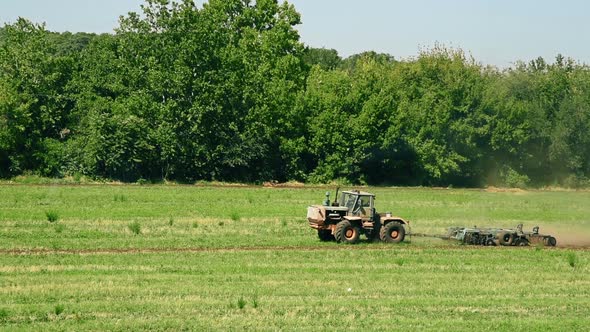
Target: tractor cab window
pixel 366 201
pixel 349 200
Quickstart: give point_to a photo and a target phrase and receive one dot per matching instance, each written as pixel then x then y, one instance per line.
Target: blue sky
pixel 496 32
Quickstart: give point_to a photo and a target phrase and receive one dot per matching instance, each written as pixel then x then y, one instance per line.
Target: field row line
pixel 98 251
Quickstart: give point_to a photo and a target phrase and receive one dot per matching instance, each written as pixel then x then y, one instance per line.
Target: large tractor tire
pixel 505 238
pixel 550 241
pixel 325 235
pixel 393 232
pixel 346 232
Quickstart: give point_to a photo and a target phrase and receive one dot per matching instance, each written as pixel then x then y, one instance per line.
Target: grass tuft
pixel 3 315
pixel 59 228
pixel 135 227
pixel 255 301
pixel 120 198
pixel 59 309
pixel 572 259
pixel 235 216
pixel 195 224
pixel 170 221
pixel 241 303
pixel 52 216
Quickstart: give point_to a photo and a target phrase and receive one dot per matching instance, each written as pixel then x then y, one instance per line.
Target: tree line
pixel 228 92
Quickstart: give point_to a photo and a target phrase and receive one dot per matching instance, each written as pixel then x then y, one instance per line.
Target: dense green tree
pixel 210 89
pixel 226 91
pixel 327 59
pixel 35 106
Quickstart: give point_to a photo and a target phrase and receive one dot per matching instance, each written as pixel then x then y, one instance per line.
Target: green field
pixel 235 258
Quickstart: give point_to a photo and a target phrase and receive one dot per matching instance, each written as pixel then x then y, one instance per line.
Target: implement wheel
pixel 551 241
pixel 393 232
pixel 505 238
pixel 521 242
pixel 346 232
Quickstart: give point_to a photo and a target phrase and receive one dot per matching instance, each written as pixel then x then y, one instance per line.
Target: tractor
pixel 353 214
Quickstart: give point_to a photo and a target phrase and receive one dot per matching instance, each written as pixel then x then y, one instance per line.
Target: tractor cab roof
pixel 360 193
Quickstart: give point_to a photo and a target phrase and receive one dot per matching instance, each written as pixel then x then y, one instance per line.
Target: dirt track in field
pixel 106 251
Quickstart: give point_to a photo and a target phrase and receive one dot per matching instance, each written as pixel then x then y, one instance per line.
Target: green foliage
pixel 4 314
pixel 241 303
pixel 235 216
pixel 52 216
pixel 572 259
pixel 324 58
pixel 58 309
pixel 513 179
pixel 59 228
pixel 135 227
pixel 227 92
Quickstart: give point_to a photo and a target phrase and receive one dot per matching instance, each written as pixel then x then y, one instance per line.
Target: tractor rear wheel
pixel 325 235
pixel 393 232
pixel 347 232
pixel 505 238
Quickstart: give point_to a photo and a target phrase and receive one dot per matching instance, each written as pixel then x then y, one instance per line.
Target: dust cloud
pixel 569 236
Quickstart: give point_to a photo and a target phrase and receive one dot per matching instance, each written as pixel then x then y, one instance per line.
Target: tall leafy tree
pixel 35 106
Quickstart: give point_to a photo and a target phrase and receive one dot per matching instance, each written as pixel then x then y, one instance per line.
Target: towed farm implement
pixel 499 236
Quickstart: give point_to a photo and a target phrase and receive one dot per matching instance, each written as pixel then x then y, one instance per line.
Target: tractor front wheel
pixel 393 232
pixel 347 232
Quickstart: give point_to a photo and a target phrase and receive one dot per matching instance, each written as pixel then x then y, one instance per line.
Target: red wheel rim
pixel 349 233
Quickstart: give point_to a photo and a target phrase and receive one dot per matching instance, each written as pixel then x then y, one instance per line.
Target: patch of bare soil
pixel 504 190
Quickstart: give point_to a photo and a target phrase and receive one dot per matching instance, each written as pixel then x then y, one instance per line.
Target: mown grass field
pixel 235 258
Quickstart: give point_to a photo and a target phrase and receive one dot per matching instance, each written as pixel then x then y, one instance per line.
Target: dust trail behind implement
pixel 569 236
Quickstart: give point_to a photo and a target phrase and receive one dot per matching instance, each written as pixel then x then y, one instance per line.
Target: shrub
pixel 52 216
pixel 513 179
